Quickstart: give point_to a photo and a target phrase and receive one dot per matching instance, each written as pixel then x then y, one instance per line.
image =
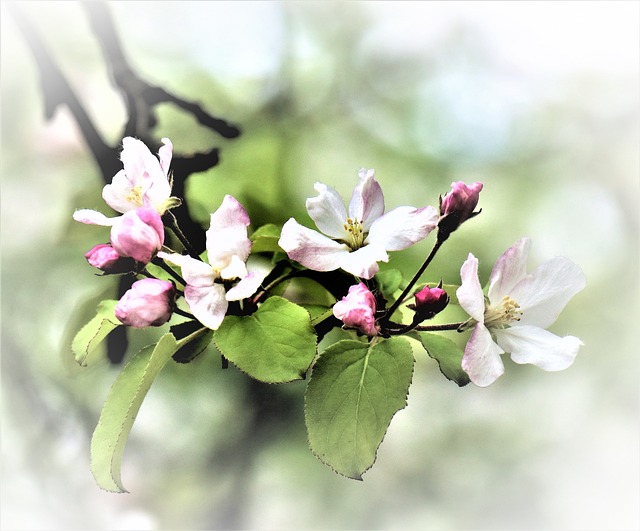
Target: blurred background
pixel 537 100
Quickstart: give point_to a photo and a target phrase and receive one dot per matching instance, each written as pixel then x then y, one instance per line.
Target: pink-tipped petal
pixel 247 286
pixel 327 211
pixel 367 201
pixel 363 263
pixel 164 154
pixel 539 347
pixel 402 227
pixel 469 293
pixel 208 304
pixel 195 272
pixel 93 217
pixel 481 360
pixel 310 248
pixel 227 234
pixel 508 270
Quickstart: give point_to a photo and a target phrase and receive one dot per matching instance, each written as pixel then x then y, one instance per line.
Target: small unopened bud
pixel 149 302
pixel 107 259
pixel 138 234
pixel 357 310
pixel 429 302
pixel 457 206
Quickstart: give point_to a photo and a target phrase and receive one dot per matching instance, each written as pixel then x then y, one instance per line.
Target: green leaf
pixel 93 333
pixel 276 344
pixel 265 239
pixel 389 281
pixel 447 354
pixel 121 408
pixel 354 391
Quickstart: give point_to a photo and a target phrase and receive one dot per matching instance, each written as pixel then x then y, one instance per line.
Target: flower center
pixel 135 195
pixel 354 233
pixel 503 314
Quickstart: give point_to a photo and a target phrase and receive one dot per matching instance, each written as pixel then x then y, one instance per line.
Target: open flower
pixel 144 181
pixel 518 309
pixel 227 250
pixel 357 240
pixel 357 309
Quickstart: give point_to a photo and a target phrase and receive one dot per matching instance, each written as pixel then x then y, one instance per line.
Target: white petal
pixel 143 169
pixel 508 270
pixel 310 248
pixel 227 234
pixel 363 262
pixel 247 286
pixel 208 304
pixel 544 293
pixel 118 194
pixel 236 269
pixel 531 344
pixel 402 227
pixel 164 154
pixel 367 200
pixel 469 293
pixel 93 217
pixel 327 211
pixel 195 272
pixel 481 360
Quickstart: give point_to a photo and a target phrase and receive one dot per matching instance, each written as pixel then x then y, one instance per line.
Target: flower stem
pixel 412 282
pixel 163 265
pixel 173 225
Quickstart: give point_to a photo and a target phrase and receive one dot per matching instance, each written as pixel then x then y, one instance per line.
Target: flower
pixel 227 250
pixel 144 181
pixel 357 309
pixel 103 257
pixel 457 206
pixel 137 234
pixel 429 302
pixel 147 303
pixel 518 309
pixel 357 240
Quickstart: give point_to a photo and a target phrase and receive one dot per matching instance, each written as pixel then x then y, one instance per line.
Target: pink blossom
pixel 458 205
pixel 148 303
pixel 357 309
pixel 430 301
pixel 516 312
pixel 357 240
pixel 228 249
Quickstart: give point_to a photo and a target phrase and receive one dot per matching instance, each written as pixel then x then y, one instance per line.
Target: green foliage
pixel 93 333
pixel 447 354
pixel 276 344
pixel 389 281
pixel 265 239
pixel 354 390
pixel 193 348
pixel 121 408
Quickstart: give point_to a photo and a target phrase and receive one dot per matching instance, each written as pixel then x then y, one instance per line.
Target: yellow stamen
pixel 355 235
pixel 135 195
pixel 502 314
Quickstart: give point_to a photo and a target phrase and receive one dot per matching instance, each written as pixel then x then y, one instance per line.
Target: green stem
pixel 173 225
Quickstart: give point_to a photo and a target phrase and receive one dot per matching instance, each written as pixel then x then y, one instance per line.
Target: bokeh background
pixel 538 100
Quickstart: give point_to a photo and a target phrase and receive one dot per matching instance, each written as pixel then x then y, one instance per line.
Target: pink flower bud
pixel 148 303
pixel 430 301
pixel 357 310
pixel 138 234
pixel 462 199
pixel 102 256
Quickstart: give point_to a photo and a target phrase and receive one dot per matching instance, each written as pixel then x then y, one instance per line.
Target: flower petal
pixel 247 286
pixel 118 194
pixel 208 304
pixel 402 227
pixel 227 234
pixel 164 154
pixel 367 200
pixel 469 293
pixel 327 211
pixel 195 272
pixel 481 360
pixel 508 270
pixel 310 248
pixel 544 293
pixel 363 262
pixel 93 217
pixel 531 344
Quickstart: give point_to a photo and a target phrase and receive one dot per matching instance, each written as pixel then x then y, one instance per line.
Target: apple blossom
pixel 102 256
pixel 514 316
pixel 355 240
pixel 429 302
pixel 147 303
pixel 457 206
pixel 144 181
pixel 357 309
pixel 228 248
pixel 137 234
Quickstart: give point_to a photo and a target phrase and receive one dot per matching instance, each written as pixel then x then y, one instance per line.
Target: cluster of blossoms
pixel 512 318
